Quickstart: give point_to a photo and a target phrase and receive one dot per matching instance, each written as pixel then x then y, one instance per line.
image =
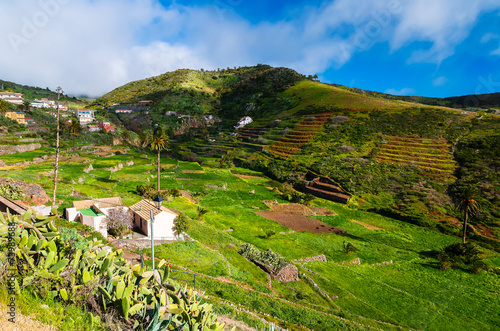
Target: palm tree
pixel 465 202
pixel 158 142
pixel 74 129
pixel 59 91
pixel 201 213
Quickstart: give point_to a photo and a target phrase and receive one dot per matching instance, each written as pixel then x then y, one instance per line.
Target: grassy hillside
pixel 397 285
pixel 186 91
pixel 31 93
pixel 394 155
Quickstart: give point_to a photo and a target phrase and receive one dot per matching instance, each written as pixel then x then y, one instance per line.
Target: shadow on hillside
pixel 353 237
pixel 107 180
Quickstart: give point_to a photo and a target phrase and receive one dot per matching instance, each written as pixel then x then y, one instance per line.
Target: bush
pixel 268 257
pixel 455 255
pixel 349 248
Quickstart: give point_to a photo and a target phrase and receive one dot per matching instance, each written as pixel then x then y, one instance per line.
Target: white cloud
pixel 489 37
pixel 403 91
pixel 440 81
pixel 93 46
pixel 444 24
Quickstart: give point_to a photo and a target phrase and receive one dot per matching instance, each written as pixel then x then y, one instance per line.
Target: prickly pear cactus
pixel 142 297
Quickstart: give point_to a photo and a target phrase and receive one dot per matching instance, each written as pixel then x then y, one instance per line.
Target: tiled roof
pixel 143 208
pixel 102 203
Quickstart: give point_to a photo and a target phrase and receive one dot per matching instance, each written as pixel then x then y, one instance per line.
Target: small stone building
pixel 164 220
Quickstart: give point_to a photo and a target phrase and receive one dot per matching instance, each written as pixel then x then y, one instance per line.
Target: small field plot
pixel 415 295
pixel 193 256
pixel 27 156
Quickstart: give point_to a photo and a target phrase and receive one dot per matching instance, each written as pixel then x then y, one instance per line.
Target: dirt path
pixel 22 322
pixel 188 196
pixel 368 226
pixel 247 176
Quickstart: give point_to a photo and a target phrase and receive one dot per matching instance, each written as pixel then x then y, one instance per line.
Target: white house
pixel 12 97
pixel 244 121
pixel 85 116
pixel 164 220
pixel 93 212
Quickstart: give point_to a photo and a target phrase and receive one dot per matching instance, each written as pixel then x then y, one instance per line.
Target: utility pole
pixel 59 91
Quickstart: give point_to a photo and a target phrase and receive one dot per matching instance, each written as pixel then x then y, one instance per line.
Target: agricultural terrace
pixel 431 155
pixel 291 143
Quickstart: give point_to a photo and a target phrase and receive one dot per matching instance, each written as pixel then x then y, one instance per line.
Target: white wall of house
pixel 163 226
pixel 97 223
pixel 71 214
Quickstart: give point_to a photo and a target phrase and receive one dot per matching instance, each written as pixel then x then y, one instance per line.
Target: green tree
pixel 182 224
pixel 465 202
pixel 74 128
pixel 159 142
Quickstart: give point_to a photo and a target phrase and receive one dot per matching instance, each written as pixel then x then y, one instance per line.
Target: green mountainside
pixel 387 259
pixel 397 155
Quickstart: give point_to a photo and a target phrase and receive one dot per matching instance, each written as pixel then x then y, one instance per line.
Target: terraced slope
pixel 431 155
pixel 251 134
pixel 290 144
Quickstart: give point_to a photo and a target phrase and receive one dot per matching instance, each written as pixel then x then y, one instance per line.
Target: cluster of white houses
pixel 96 212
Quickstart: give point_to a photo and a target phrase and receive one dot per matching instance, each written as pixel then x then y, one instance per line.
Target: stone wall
pixel 288 273
pixel 321 258
pixel 12 149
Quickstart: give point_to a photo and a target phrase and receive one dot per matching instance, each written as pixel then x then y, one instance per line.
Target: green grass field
pixel 410 293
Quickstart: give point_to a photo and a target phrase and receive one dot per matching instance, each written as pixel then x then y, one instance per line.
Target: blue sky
pixel 411 47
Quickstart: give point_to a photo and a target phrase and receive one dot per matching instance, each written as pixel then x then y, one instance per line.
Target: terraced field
pixel 432 156
pixel 290 144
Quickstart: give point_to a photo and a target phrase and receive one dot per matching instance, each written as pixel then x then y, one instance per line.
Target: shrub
pixel 182 224
pixel 270 233
pixel 459 254
pixel 349 248
pixel 268 257
pixel 74 240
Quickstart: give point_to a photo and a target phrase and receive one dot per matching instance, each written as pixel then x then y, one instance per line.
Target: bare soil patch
pixel 188 196
pixel 22 322
pixel 320 211
pixel 247 176
pixel 298 222
pixel 294 208
pixel 193 171
pixel 368 226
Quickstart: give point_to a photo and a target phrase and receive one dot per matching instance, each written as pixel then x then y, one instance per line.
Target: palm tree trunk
pixel 158 171
pixel 465 227
pixel 56 164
